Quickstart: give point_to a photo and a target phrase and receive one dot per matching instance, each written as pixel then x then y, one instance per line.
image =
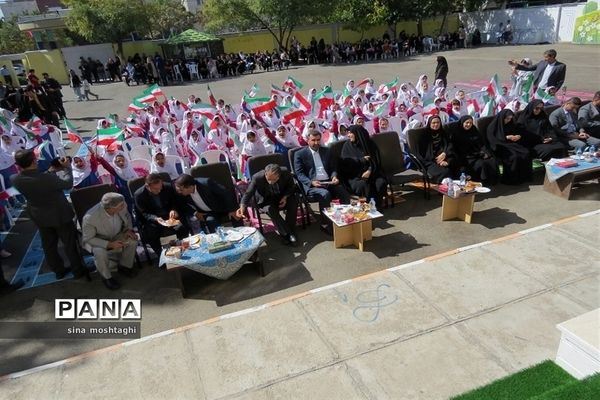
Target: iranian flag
pixel 493 89
pixel 269 105
pixel 155 91
pixel 324 97
pixel 293 83
pixel 249 103
pixel 430 109
pixel 527 88
pixel 108 136
pixel 489 109
pixel 146 98
pixel 389 86
pixel 292 115
pixel 363 82
pixel 279 92
pixel 383 108
pixel 543 95
pixel 254 90
pixel 35 124
pixel 211 96
pixel 204 109
pixel 72 132
pixel 136 106
pixel 303 104
pixel 473 107
pixel 45 151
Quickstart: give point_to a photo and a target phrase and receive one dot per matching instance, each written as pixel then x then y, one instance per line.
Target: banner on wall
pixel 587 26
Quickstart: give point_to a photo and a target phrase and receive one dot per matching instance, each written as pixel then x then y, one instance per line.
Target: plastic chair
pixel 213 156
pixel 131 143
pixel 177 73
pixel 140 164
pixel 193 70
pixel 221 174
pixel 141 153
pixel 180 164
pixel 304 198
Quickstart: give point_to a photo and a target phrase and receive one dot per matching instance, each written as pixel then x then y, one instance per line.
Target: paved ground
pixel 425 330
pixel 409 232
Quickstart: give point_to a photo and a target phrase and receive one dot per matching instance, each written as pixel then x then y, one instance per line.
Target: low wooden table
pixel 354 233
pixel 562 186
pixel 460 207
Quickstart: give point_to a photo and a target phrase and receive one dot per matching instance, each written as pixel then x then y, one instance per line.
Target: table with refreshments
pixel 459 197
pixel 562 174
pixel 352 223
pixel 218 255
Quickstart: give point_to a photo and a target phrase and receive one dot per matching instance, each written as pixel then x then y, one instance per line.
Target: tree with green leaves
pixel 168 16
pixel 12 40
pixel 100 21
pixel 279 17
pixel 356 15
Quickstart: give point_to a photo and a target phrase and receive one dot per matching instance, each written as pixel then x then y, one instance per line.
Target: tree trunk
pixel 419 26
pixel 392 30
pixel 443 23
pixel 120 49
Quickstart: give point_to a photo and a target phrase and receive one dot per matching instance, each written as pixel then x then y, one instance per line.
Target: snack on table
pixel 471 186
pixel 174 251
pixel 361 215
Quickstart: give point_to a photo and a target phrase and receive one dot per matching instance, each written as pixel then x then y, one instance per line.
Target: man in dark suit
pixel 316 172
pixel 155 203
pixel 50 211
pixel 273 189
pixel 206 200
pixel 548 72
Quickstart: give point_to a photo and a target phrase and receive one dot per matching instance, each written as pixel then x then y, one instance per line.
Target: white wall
pixel 530 25
pixel 97 51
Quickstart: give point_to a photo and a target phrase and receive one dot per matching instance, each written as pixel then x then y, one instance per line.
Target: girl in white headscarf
pixel 188 124
pixel 419 86
pixel 161 165
pixel 122 168
pixel 309 125
pixel 217 137
pixel 370 89
pixel 167 143
pixel 351 88
pixel 7 167
pixel 197 143
pixel 84 173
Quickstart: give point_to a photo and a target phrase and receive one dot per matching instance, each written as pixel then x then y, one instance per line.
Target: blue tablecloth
pixel 220 265
pixel 553 172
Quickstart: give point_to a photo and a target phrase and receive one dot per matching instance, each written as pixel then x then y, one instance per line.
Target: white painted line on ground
pixel 589 214
pixel 146 338
pixel 244 312
pixel 535 228
pixel 473 246
pixel 402 266
pixel 331 286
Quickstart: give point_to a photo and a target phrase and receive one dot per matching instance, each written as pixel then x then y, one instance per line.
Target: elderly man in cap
pixel 108 235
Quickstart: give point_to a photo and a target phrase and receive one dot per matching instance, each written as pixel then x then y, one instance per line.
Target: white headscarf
pixel 169 167
pixel 80 174
pixel 16 143
pixel 256 148
pixel 307 128
pixel 126 173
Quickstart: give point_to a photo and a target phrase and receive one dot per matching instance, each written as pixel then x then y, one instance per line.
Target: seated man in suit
pixel 565 123
pixel 314 168
pixel 156 203
pixel 206 200
pixel 274 190
pixel 108 234
pixel 589 116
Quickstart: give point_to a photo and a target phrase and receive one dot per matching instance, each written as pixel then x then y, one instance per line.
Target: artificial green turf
pixel 587 389
pixel 524 384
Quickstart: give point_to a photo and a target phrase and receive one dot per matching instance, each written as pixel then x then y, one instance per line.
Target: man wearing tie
pixel 206 200
pixel 273 189
pixel 316 172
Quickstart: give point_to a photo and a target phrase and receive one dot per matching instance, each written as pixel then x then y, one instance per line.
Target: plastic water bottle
pixel 372 204
pixel 579 153
pixel 203 241
pixel 450 190
pixel 337 215
pixel 593 151
pixel 463 180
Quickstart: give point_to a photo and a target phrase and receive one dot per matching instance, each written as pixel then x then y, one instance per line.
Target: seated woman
pixel 506 141
pixel 540 137
pixel 435 151
pixel 473 154
pixel 360 165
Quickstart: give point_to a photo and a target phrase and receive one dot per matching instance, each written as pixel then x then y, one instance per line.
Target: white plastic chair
pixel 7 207
pixel 177 73
pixel 141 153
pixel 193 69
pixel 180 164
pixel 57 141
pixel 212 156
pixel 129 144
pixel 140 164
